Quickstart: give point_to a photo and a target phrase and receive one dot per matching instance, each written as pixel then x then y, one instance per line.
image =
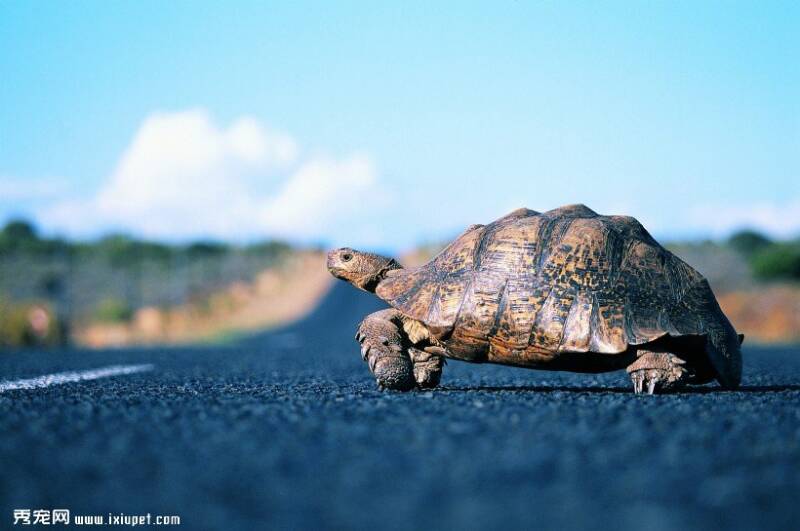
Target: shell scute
pixel 516 316
pixel 448 299
pixel 510 247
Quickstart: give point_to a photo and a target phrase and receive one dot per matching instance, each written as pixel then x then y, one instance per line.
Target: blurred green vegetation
pixel 769 260
pixel 748 242
pixel 113 310
pixel 779 261
pixel 20 237
pixel 28 324
pixel 110 278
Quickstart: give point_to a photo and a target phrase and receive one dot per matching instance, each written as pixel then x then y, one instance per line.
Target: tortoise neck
pixel 371 283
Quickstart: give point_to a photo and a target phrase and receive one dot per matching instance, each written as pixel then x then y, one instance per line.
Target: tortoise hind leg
pixel 654 371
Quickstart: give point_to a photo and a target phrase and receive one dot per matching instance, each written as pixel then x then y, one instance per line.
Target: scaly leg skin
pixel 656 371
pixel 382 348
pixel 427 367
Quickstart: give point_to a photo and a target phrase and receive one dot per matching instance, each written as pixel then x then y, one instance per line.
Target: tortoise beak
pixel 332 261
pixel 335 261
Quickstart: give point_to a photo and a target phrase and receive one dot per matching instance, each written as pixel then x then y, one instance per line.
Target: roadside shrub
pixel 13 325
pixel 19 230
pixel 779 261
pixel 206 249
pixel 29 324
pixel 749 242
pixel 122 251
pixel 113 310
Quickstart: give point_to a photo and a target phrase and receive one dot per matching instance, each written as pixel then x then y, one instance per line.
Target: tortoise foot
pixel 657 371
pixel 427 368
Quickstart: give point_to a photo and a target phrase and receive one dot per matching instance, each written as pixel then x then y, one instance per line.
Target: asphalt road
pixel 287 431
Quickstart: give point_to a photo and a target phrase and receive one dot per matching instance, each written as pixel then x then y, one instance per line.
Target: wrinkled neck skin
pixel 369 283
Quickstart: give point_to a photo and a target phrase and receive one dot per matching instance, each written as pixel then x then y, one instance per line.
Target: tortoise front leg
pixel 382 347
pixel 396 364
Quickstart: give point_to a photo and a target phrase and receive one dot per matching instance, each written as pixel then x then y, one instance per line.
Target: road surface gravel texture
pixel 287 430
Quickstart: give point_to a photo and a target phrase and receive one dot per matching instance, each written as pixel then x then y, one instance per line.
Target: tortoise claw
pixel 646 382
pixel 651 386
pixel 637 379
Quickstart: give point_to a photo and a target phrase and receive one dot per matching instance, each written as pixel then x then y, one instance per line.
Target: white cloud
pixel 184 177
pixel 781 220
pixel 322 192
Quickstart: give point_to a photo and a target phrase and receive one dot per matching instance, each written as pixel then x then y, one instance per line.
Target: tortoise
pixel 567 289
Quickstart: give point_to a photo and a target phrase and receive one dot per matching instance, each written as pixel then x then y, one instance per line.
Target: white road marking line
pixel 73 376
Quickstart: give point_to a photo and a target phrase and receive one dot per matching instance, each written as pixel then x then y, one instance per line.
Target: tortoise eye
pixel 346 257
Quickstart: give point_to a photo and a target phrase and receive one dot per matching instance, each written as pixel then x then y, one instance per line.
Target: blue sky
pixel 382 126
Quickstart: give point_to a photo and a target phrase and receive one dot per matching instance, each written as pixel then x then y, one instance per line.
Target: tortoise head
pixel 363 270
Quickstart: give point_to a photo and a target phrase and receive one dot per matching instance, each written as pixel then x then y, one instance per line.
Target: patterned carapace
pixel 564 289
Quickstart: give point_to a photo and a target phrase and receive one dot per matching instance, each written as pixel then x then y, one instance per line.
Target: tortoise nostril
pixel 346 257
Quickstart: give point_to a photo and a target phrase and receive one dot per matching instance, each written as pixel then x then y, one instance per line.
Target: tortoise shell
pixel 530 286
